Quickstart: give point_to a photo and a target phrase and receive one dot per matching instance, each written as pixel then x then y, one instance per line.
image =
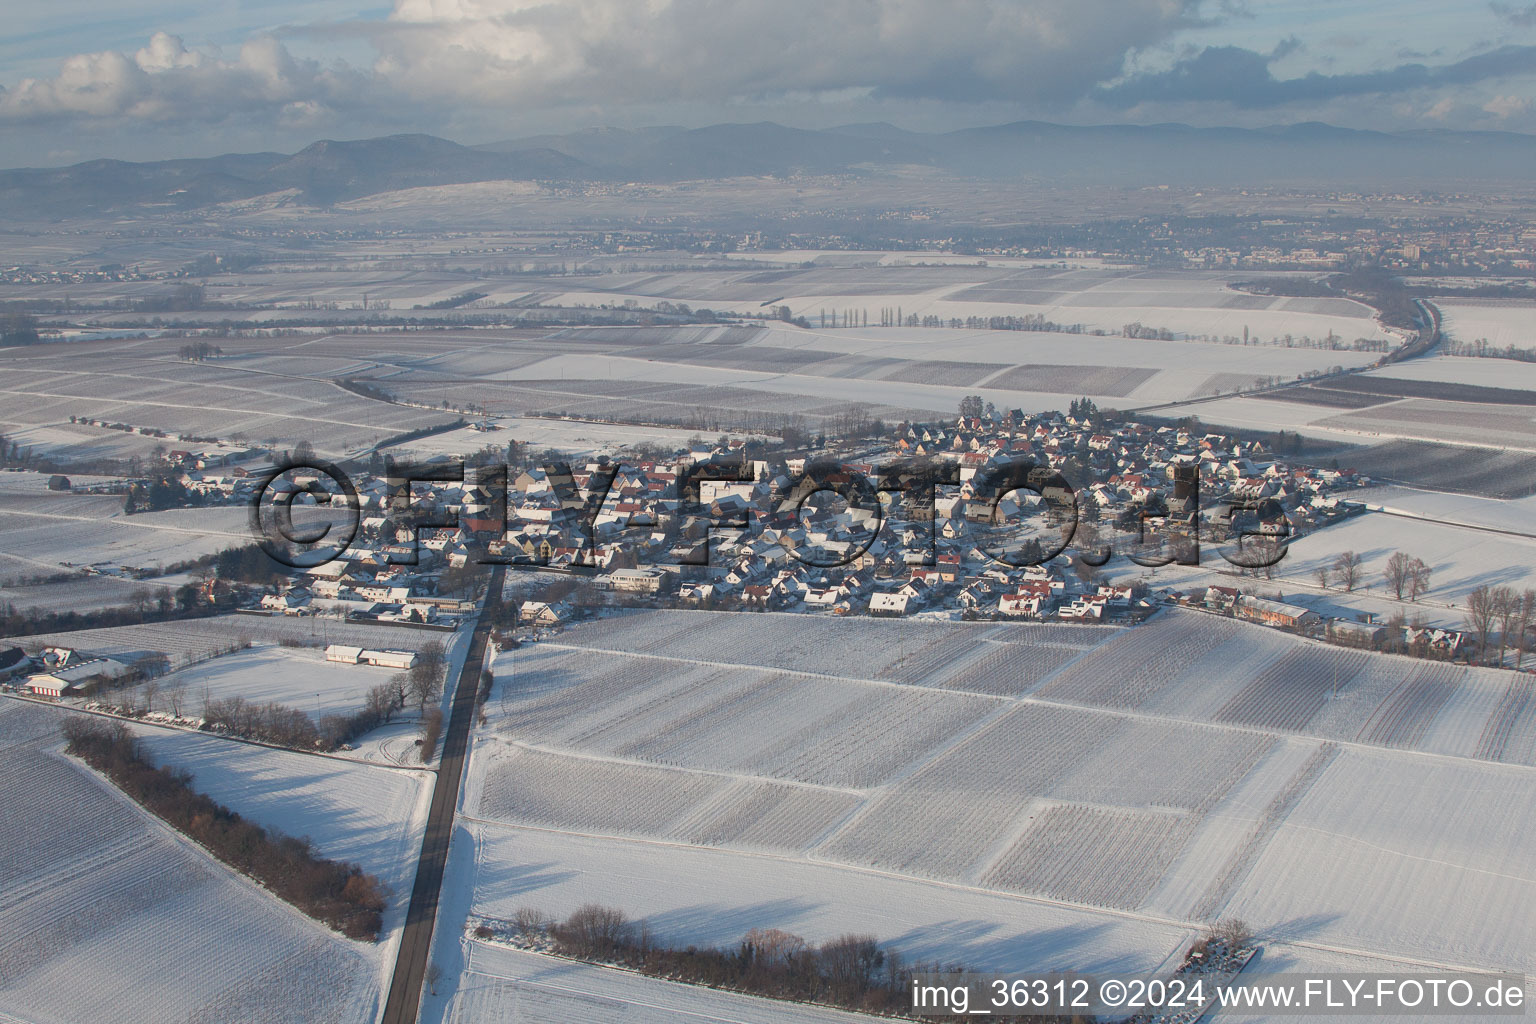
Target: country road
pixel 420 920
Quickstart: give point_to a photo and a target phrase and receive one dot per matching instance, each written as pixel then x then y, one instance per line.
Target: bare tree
pixel 1347 568
pixel 1481 613
pixel 148 691
pixel 1524 621
pixel 433 976
pixel 1418 578
pixel 426 684
pixel 1506 607
pixel 1322 574
pixel 175 694
pixel 595 930
pixel 1398 572
pixel 380 702
pixel 531 922
pixel 400 688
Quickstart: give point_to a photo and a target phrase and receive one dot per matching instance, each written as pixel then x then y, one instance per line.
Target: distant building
pixel 58 483
pixel 345 655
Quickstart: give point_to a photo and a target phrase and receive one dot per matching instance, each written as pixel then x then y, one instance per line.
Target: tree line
pixel 1505 613
pixel 335 893
pixel 852 971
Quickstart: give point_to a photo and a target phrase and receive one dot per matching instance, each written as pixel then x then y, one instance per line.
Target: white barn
pixel 363 656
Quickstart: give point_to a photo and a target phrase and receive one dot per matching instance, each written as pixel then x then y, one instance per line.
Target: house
pixel 292 602
pixel 1082 609
pixel 1220 599
pixel 638 581
pixel 346 655
pixel 1021 604
pixel 888 604
pixel 538 613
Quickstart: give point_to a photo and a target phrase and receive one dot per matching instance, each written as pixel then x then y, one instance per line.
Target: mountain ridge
pixel 330 171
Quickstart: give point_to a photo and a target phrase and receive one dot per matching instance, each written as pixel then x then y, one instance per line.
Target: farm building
pixel 1367 635
pixel 1274 613
pixel 63 682
pixel 58 483
pixel 363 656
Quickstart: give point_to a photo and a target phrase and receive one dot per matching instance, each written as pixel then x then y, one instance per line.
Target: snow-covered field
pixel 218 634
pixel 889 366
pixel 574 437
pixel 713 779
pixel 1428 859
pixel 1506 323
pixel 91 530
pixel 107 914
pixel 1518 515
pixel 509 986
pixel 1462 557
pixel 298 677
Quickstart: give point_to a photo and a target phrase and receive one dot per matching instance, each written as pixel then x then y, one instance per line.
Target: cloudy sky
pixel 81 79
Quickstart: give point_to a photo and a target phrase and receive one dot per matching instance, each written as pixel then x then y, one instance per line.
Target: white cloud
pixel 1507 106
pixel 165 81
pixel 513 55
pixel 663 50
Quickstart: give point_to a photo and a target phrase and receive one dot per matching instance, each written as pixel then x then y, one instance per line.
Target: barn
pixel 363 656
pixel 73 679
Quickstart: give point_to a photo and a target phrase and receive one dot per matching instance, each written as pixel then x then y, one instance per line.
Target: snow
pixel 1428 859
pixel 100 896
pixel 298 677
pixel 713 897
pixel 623 764
pixel 366 814
pixel 1508 323
pixel 509 986
pixel 1517 515
pixel 575 437
pixel 1182 368
pixel 1462 558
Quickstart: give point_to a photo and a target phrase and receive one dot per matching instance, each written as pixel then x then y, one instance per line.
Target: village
pixel 825 530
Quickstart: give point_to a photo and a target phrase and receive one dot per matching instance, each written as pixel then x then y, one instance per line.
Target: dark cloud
pixel 1243 78
pixel 1520 17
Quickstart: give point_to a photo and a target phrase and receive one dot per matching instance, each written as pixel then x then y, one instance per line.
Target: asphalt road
pixel 421 918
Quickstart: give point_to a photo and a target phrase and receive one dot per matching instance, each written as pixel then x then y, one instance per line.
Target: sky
pixel 82 79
